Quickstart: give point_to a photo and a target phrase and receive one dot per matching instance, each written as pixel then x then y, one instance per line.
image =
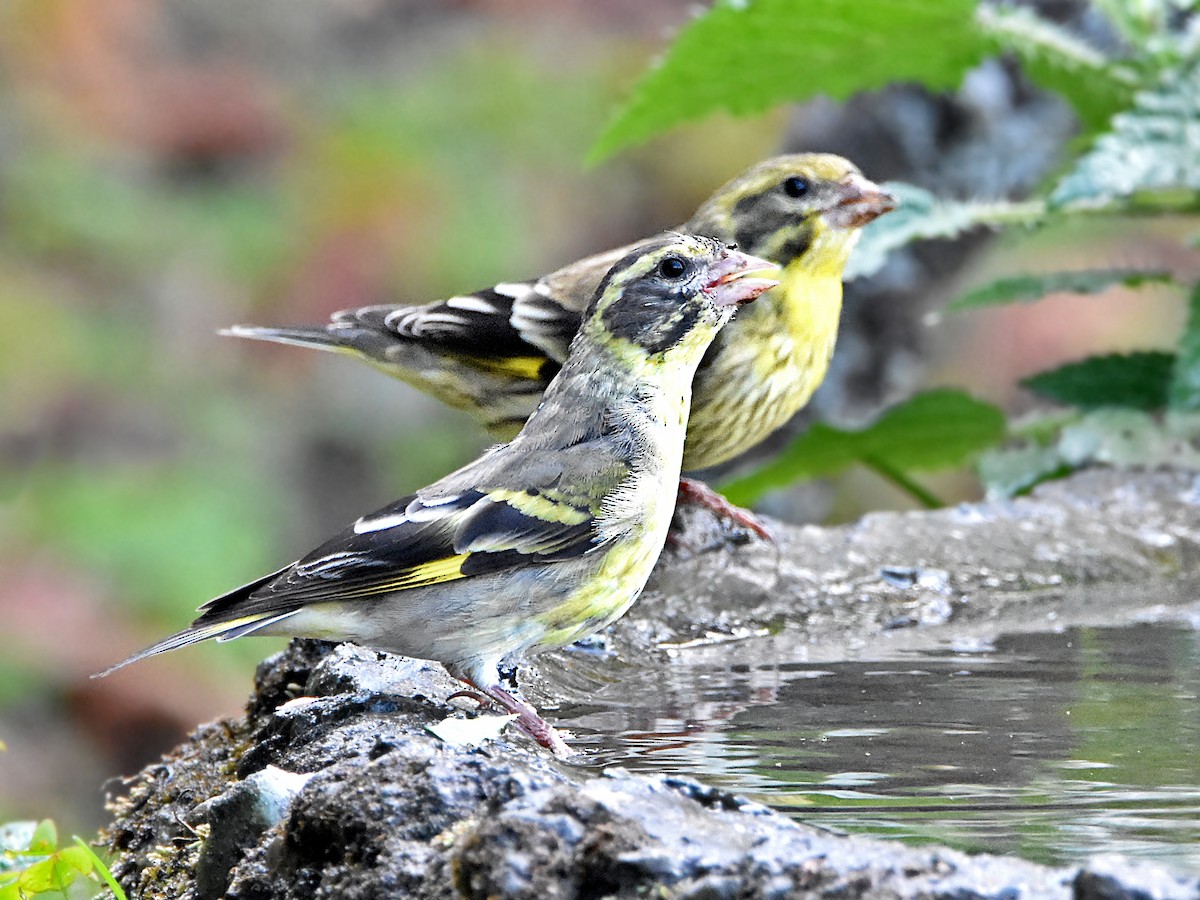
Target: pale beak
pixel 730 284
pixel 857 202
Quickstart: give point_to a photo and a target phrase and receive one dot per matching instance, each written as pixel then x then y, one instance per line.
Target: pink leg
pixel 699 493
pixel 527 720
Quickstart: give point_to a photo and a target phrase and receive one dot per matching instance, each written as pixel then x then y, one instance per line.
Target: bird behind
pixel 541 541
pixel 493 352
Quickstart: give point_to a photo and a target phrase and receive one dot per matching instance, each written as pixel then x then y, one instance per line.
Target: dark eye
pixel 672 267
pixel 796 186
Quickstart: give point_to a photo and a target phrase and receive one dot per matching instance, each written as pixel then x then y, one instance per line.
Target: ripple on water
pixel 1053 745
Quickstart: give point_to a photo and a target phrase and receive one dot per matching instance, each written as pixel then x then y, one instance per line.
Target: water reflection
pixel 1049 745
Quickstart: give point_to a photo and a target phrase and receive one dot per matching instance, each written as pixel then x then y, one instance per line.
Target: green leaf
pixel 744 56
pixel 1026 288
pixel 934 430
pixel 45 876
pixel 1151 148
pixel 1133 381
pixel 1011 471
pixel 1125 438
pixel 101 869
pixel 78 859
pixel 1137 22
pixel 45 838
pixel 921 215
pixel 1185 379
pixel 1132 438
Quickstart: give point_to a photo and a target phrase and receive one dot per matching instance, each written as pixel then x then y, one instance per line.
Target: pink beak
pixel 730 285
pixel 858 202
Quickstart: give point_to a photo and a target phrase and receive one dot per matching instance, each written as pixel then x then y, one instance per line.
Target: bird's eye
pixel 796 186
pixel 672 267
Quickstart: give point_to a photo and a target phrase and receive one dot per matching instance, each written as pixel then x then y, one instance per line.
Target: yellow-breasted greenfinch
pixel 493 352
pixel 540 541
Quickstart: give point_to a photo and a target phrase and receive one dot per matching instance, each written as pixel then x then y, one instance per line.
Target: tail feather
pixel 318 337
pixel 222 631
pixel 220 620
pixel 252 625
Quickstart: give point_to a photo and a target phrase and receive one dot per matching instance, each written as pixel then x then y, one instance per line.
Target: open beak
pixel 857 202
pixel 730 284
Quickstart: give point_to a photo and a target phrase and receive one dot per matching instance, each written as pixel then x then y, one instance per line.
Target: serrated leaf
pixel 1126 438
pixel 921 215
pixel 744 56
pixel 1184 393
pixel 934 430
pixel 1010 471
pixel 1026 288
pixel 1133 380
pixel 1151 148
pixel 1137 22
pixel 1130 437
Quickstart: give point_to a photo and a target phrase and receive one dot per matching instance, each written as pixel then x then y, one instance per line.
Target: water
pixel 1053 746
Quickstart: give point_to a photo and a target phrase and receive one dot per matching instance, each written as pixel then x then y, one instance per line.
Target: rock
pixel 331 786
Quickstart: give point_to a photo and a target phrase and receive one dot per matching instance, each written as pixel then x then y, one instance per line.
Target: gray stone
pixel 389 811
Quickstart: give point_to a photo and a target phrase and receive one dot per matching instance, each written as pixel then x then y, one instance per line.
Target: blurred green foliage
pixel 161 465
pixel 91 232
pixel 745 56
pixel 932 430
pixel 32 864
pixel 1138 103
pixel 1131 380
pixel 147 464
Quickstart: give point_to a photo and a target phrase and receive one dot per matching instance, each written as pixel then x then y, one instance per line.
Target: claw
pixel 527 719
pixel 700 494
pixel 482 699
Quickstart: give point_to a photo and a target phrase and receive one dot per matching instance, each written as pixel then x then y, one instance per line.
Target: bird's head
pixel 674 293
pixel 805 208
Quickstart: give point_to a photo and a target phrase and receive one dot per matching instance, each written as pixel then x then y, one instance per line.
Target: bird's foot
pixel 700 494
pixel 482 699
pixel 529 721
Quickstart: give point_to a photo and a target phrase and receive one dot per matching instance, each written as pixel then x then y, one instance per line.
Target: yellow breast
pixel 633 525
pixel 772 358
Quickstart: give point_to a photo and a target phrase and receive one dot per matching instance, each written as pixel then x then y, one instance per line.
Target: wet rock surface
pixel 332 787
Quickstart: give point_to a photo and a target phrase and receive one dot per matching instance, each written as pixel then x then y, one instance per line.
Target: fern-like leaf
pixel 1185 379
pixel 1061 61
pixel 1152 148
pixel 1027 288
pixel 922 215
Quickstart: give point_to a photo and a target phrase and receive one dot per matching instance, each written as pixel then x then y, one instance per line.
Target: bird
pixel 493 352
pixel 540 541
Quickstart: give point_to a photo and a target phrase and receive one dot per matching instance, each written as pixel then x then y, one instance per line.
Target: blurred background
pixel 170 167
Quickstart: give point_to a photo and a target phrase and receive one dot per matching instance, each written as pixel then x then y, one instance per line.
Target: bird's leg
pixel 699 493
pixel 528 719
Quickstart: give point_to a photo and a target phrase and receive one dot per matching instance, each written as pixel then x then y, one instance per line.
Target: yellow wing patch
pixel 541 507
pixel 528 368
pixel 448 568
